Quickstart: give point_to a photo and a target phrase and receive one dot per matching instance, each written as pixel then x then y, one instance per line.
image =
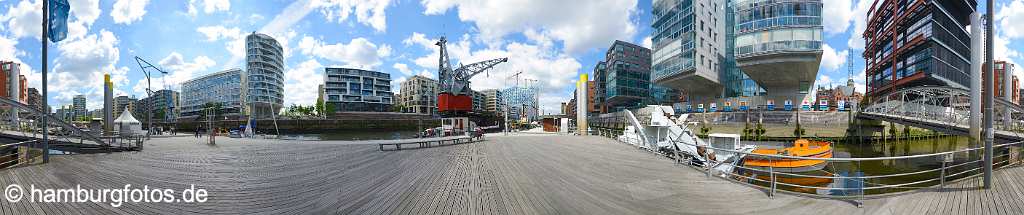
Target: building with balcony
pixel 493 102
pixel 357 90
pixel 226 88
pixel 418 94
pixel 736 50
pixel 917 43
pixel 123 103
pixel 522 103
pixel 264 69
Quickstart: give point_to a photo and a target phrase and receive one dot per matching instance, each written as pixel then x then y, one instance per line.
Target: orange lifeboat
pixel 801 148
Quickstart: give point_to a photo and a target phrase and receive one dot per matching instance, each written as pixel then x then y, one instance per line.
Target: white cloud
pixel 859 25
pixel 178 71
pixel 368 12
pixel 404 69
pixel 359 52
pixel 24 19
pixel 839 14
pixel 301 83
pixel 86 11
pixel 647 42
pixel 217 32
pixel 831 59
pixel 209 6
pixel 580 27
pixel 128 11
pixel 81 64
pixel 1010 18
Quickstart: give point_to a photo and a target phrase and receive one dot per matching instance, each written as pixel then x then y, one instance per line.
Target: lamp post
pixel 149 92
pixel 989 93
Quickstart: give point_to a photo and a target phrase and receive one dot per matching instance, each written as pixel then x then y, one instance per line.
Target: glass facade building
pixel 736 50
pixel 917 43
pixel 224 87
pixel 778 45
pixel 628 80
pixel 264 74
pixel 357 90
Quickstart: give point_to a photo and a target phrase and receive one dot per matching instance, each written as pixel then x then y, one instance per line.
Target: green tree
pixel 320 106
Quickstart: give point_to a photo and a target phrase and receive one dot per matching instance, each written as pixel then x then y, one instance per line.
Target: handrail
pixel 950 172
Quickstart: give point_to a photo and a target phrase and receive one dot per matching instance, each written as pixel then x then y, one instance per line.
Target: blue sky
pixel 549 41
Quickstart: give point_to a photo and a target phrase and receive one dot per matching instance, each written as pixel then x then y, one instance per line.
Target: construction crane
pixel 455 95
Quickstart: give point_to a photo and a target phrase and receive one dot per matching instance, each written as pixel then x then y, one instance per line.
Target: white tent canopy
pixel 126 124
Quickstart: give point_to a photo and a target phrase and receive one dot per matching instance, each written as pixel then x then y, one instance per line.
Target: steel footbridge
pixel 944 109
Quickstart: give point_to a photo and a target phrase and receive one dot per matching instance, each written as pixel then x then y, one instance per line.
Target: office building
pixel 736 51
pixel 600 86
pixel 264 75
pixel 224 88
pixel 522 103
pixel 418 94
pixel 777 45
pixel 627 79
pixel 357 90
pixel 917 43
pixel 78 107
pixel 165 103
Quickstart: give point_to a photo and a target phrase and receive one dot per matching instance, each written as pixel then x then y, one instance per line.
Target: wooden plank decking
pixel 503 175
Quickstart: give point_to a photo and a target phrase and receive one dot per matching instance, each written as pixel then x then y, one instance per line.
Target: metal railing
pixel 16 154
pixel 949 170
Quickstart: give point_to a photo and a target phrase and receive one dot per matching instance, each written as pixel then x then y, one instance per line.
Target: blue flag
pixel 58 20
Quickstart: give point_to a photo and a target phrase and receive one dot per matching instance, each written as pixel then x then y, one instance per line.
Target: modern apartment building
pixel 14 84
pixel 493 102
pixel 628 80
pixel 123 103
pixel 357 90
pixel 1005 69
pixel 264 74
pixel 479 99
pixel 165 103
pixel 600 86
pixel 418 94
pixel 522 103
pixel 736 50
pixel 78 107
pixel 917 43
pixel 225 87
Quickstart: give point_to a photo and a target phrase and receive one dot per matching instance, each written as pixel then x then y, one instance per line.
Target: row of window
pixel 748 12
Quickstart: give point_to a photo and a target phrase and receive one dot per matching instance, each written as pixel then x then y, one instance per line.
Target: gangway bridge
pixel 944 109
pixel 63 135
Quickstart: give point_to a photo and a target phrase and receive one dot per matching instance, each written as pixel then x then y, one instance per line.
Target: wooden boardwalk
pixel 502 175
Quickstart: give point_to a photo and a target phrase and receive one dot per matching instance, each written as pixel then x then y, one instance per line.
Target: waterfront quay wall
pixel 339 121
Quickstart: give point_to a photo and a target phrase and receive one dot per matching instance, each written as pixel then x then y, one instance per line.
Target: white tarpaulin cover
pixel 127 124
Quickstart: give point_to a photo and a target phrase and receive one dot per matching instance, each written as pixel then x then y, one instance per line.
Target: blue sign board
pixel 727 107
pixel 714 107
pixel 689 108
pixel 788 106
pixel 770 105
pixel 743 106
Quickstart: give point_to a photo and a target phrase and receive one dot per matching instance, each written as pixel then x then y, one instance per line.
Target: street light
pixel 149 92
